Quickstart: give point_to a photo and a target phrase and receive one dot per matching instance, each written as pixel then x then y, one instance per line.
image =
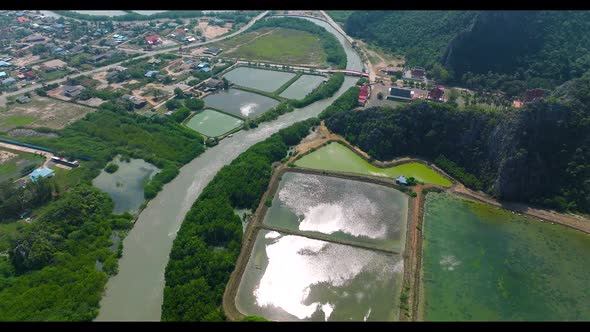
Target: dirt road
pixel 150 54
pixel 46 154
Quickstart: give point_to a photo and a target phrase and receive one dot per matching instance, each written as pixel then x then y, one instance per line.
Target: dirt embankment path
pixel 414 237
pixel 569 220
pixel 46 154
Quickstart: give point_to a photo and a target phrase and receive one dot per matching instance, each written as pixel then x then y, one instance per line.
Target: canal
pixel 136 292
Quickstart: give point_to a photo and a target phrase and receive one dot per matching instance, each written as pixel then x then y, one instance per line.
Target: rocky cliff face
pixel 496 41
pixel 539 154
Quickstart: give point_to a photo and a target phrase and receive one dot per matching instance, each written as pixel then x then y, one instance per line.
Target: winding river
pixel 136 292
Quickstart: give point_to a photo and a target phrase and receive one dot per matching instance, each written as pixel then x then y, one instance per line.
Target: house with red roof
pixel 153 39
pixel 533 95
pixel 363 95
pixel 436 94
pixel 30 75
pixel 22 19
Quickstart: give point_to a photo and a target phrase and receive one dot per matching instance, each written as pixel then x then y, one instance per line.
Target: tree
pixel 380 95
pixel 194 104
pixel 179 93
pixel 172 104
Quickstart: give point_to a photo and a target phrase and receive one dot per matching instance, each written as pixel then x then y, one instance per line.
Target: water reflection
pixel 295 278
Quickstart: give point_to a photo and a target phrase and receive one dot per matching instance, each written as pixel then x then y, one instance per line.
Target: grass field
pixel 277 45
pixel 42 112
pixel 7 230
pixel 54 74
pixel 18 120
pixel 11 168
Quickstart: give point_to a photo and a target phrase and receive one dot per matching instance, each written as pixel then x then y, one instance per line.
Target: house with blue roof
pixel 3 74
pixel 9 81
pixel 151 73
pixel 401 180
pixel 5 64
pixel 41 173
pixel 205 69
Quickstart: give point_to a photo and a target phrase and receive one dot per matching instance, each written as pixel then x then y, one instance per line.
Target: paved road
pixel 168 50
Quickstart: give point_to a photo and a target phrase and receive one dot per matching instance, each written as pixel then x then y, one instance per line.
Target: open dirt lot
pixel 6 156
pixel 212 31
pixel 25 60
pixel 42 112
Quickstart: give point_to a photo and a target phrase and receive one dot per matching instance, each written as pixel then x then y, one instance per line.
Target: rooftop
pixel 40 173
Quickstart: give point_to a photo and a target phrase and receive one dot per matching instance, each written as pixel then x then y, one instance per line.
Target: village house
pixel 418 72
pixel 137 101
pixel 401 180
pixel 39 173
pixel 5 64
pixel 23 100
pixel 363 95
pixel 151 73
pixel 8 81
pixel 72 90
pixel 30 75
pixel 3 74
pixel 34 38
pixel 401 94
pixel 154 61
pixel 436 94
pixel 153 39
pixel 213 51
pixel 533 95
pixel 22 19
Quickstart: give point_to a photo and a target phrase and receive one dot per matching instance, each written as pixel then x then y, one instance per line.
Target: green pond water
pixel 343 209
pixel 212 123
pixel 289 278
pixel 337 157
pixel 484 263
pixel 261 79
pixel 302 87
pixel 125 186
pixel 240 103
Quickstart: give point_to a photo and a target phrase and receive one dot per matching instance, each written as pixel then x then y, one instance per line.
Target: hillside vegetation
pixel 506 50
pixel 539 154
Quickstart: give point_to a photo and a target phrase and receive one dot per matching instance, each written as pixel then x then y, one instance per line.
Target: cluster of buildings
pixel 183 36
pixel 363 95
pixel 404 94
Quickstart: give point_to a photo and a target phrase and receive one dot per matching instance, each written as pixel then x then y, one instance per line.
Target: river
pixel 136 292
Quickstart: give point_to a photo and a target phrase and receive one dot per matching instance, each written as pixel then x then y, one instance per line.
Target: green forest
pixel 421 36
pixel 510 51
pixel 539 154
pixel 334 51
pixel 102 135
pixel 58 266
pixel 208 243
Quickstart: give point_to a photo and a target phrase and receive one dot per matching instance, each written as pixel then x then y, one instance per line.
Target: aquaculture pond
pixel 261 79
pixel 484 263
pixel 240 103
pixel 302 87
pixel 212 123
pixel 337 157
pixel 346 210
pixel 291 277
pixel 125 186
